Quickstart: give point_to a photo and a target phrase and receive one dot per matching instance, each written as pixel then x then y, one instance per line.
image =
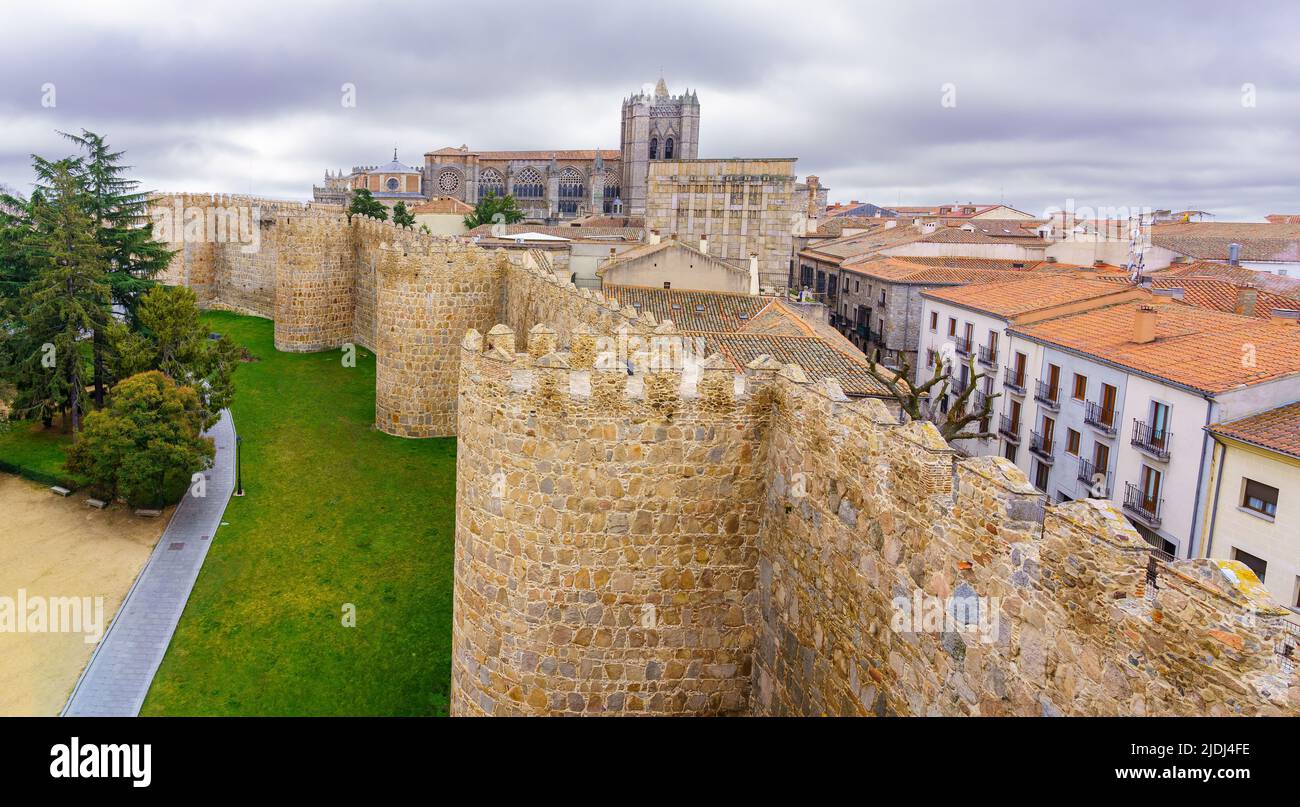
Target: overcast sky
pixel 1108 104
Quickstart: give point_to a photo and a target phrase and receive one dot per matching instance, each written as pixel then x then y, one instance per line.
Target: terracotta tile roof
pixel 1000 264
pixel 903 270
pixel 1210 240
pixel 1275 429
pixel 816 357
pixel 1240 275
pixel 1024 294
pixel 559 154
pixel 443 204
pixel 1219 295
pixel 692 310
pixel 1194 347
pixel 742 327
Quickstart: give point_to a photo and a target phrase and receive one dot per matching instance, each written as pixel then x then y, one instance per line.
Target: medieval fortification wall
pixel 638 532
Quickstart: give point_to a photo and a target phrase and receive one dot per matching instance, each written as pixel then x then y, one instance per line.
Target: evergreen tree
pixel 119 211
pixel 364 204
pixel 66 300
pixel 403 217
pixel 170 339
pixel 493 209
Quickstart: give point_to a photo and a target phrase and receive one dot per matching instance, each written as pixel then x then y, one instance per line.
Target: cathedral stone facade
pixel 549 185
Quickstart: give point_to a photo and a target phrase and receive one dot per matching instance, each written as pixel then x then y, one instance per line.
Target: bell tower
pixel 656 126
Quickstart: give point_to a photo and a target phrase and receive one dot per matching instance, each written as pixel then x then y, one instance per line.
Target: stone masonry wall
pixel 881 516
pixel 428 295
pixel 606 533
pixel 574 485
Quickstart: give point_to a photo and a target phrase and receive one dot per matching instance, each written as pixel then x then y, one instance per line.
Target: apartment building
pixel 1115 401
pixel 1252 511
pixel 976 320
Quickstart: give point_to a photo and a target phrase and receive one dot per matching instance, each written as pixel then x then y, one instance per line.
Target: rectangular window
pixel 1101 458
pixel 1053 381
pixel 1080 387
pixel 952 326
pixel 1041 471
pixel 1072 440
pixel 1159 423
pixel 1260 497
pixel 1257 565
pixel 1010 451
pixel 1108 394
pixel 934 322
pixel 1151 479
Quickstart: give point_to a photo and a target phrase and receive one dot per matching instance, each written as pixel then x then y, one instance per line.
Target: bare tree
pixel 921 401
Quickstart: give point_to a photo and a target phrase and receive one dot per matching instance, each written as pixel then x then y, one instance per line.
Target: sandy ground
pixel 56 547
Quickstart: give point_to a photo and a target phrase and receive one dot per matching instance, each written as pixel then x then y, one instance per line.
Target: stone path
pixel 120 672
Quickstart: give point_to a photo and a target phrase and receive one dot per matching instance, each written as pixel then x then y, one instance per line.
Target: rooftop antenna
pixel 1136 249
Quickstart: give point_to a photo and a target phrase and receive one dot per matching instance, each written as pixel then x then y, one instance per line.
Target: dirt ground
pixel 56 547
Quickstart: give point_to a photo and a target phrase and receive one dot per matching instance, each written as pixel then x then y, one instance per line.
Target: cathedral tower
pixel 656 127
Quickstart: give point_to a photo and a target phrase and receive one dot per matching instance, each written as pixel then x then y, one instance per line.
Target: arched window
pixel 570 190
pixel 668 149
pixel 654 148
pixel 529 185
pixel 491 182
pixel 612 190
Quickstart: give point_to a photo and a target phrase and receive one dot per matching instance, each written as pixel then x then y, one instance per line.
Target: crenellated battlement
pixel 676 537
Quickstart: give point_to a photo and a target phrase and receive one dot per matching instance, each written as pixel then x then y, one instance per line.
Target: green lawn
pixel 336 513
pixel 37 453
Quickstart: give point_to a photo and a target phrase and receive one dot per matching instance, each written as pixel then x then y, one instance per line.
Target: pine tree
pixel 403 217
pixel 493 209
pixel 364 204
pixel 66 301
pixel 119 211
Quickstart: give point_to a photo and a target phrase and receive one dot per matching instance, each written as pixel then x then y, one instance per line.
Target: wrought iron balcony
pixel 1089 475
pixel 988 356
pixel 1097 417
pixel 1047 396
pixel 1145 508
pixel 1014 380
pixel 1151 440
pixel 1008 428
pixel 1041 445
pixel 963 345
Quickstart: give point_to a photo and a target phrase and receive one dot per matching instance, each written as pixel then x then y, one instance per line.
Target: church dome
pixel 394 167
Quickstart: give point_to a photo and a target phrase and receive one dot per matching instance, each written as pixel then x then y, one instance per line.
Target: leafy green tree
pixel 403 217
pixel 170 338
pixel 493 209
pixel 119 211
pixel 67 299
pixel 364 204
pixel 15 264
pixel 146 445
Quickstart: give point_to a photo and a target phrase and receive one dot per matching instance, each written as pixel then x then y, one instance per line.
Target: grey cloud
pixel 1109 102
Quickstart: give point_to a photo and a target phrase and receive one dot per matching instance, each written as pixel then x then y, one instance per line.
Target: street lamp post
pixel 239 466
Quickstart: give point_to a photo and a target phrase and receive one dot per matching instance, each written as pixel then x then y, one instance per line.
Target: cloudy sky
pixel 1194 104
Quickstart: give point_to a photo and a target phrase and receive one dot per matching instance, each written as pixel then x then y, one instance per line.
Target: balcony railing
pixel 1088 475
pixel 1094 415
pixel 1014 380
pixel 1009 428
pixel 1146 508
pixel 963 345
pixel 1041 445
pixel 988 356
pixel 1151 440
pixel 1047 395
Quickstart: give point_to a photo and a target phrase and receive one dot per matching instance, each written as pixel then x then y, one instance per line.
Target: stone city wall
pixel 606 532
pixel 588 498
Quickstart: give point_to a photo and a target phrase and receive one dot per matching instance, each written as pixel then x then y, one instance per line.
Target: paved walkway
pixel 121 670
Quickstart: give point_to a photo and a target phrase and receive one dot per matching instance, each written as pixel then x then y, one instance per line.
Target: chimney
pixel 1247 297
pixel 753 273
pixel 704 244
pixel 1144 324
pixel 654 237
pixel 1234 254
